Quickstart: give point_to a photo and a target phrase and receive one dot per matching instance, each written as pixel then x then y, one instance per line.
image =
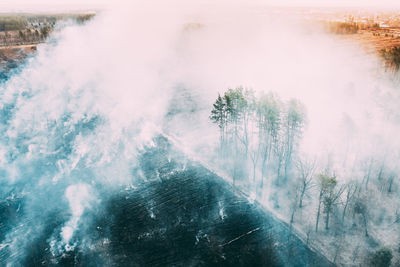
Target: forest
pixel 259 147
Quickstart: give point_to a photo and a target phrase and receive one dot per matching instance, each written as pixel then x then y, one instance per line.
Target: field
pixel 21 33
pixel 377 32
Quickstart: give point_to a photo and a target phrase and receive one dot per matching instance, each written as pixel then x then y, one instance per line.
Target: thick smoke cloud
pixel 77 113
pixel 351 103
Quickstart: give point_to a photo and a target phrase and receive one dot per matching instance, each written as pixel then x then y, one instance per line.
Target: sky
pixel 51 5
pixel 339 3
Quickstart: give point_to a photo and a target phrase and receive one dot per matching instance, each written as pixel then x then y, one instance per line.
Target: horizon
pixel 47 6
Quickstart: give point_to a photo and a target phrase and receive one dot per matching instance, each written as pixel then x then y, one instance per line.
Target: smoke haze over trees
pixel 310 138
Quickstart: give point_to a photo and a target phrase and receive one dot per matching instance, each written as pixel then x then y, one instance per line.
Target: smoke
pixel 79 197
pixel 76 115
pixel 350 112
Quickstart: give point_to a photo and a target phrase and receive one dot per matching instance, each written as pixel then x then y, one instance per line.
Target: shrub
pixel 382 257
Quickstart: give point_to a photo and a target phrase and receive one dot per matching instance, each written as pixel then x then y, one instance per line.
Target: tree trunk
pixel 262 182
pixel 254 171
pixel 380 174
pixel 365 225
pixel 287 163
pixel 264 163
pixel 303 191
pixel 327 219
pixel 221 141
pixel 292 216
pixel 390 183
pixel 246 138
pixel 368 175
pixel 278 172
pixel 319 211
pixel 263 167
pixel 344 211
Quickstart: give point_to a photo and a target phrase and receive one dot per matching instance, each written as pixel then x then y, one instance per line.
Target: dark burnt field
pixel 180 215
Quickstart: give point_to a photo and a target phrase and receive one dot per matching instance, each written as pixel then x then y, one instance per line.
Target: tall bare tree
pixel 351 189
pixel 305 169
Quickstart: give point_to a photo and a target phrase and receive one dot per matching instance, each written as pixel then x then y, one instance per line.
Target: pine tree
pixel 219 117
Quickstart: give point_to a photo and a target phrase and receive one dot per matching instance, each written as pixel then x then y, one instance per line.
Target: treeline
pixel 349 27
pixel 27 36
pixel 11 23
pixel 343 27
pixel 259 140
pixel 391 57
pixel 259 132
pixel 82 18
pixel 30 29
pixel 20 22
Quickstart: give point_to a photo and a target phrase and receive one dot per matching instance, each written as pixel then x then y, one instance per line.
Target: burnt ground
pixel 180 214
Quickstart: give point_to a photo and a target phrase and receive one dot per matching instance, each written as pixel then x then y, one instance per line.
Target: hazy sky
pixel 361 3
pixel 13 5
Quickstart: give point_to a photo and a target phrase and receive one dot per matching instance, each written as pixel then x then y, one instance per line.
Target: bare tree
pixel 338 246
pixel 309 231
pixel 321 194
pixel 369 172
pixel 391 180
pixel 351 189
pixel 268 120
pixel 293 206
pixel 306 169
pixel 279 151
pixel 330 200
pixel 360 207
pixel 328 196
pixel 294 121
pixel 381 171
pixel 254 156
